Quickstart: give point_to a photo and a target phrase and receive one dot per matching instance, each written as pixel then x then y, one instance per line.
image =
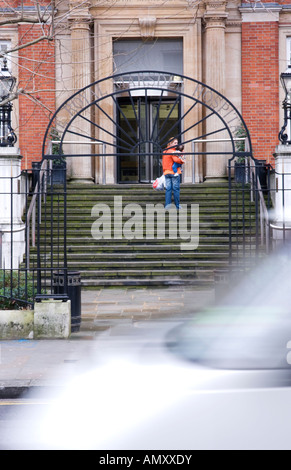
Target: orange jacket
pixel 168 159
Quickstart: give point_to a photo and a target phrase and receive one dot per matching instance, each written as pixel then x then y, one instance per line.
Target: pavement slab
pixel 26 364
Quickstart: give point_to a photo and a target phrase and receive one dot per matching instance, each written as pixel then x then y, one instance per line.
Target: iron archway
pixel 91 116
pixel 208 124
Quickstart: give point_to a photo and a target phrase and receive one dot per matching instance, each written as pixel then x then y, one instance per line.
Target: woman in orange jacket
pixel 172 182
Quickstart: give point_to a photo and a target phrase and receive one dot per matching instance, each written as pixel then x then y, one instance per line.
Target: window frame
pixel 8 43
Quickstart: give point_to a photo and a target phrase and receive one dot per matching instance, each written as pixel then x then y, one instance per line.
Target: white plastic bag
pixel 160 183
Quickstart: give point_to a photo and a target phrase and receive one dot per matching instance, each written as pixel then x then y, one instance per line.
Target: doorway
pixel 144 126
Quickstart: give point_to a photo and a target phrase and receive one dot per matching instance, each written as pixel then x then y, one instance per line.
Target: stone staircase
pixel 148 261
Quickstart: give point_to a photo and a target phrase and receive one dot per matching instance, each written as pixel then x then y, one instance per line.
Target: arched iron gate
pixel 129 118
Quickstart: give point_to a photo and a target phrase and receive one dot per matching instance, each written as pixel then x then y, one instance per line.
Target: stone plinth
pixel 52 319
pixel 282 216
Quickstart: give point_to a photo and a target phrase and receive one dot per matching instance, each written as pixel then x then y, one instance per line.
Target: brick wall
pixel 260 86
pixel 36 75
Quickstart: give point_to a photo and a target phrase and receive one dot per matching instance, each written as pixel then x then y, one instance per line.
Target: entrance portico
pixel 127 128
pixel 213 24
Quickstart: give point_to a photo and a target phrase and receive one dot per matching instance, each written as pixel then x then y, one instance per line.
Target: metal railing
pixel 265 224
pixel 34 214
pixel 41 186
pixel 1 235
pixel 17 287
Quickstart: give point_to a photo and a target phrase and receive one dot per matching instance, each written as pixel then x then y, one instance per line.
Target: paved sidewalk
pixel 25 364
pixel 106 307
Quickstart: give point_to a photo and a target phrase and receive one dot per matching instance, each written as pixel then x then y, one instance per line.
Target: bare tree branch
pixel 23 46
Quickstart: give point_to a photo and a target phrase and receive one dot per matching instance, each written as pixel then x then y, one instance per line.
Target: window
pixel 5 45
pixel 164 55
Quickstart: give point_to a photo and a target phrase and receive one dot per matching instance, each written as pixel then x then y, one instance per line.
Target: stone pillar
pixel 282 216
pixel 214 73
pixel 12 227
pixel 80 19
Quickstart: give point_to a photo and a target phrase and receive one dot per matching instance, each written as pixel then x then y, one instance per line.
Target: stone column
pixel 12 227
pixel 282 215
pixel 214 73
pixel 80 19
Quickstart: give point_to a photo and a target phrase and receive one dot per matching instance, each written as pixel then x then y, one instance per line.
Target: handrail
pixel 264 214
pixel 277 227
pixel 31 213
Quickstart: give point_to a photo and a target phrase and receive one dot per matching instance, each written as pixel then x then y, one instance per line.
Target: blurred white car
pixel 220 380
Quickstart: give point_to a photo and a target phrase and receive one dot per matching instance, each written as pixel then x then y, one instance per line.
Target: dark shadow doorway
pixel 144 125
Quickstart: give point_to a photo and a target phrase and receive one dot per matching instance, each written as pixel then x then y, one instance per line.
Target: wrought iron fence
pixel 17 287
pixel 33 250
pixel 34 266
pixel 251 203
pixel 24 273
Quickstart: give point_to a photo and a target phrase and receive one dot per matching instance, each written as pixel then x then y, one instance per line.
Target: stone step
pixel 150 195
pixel 203 273
pixel 205 207
pixel 148 191
pixel 76 244
pixel 141 261
pixel 206 237
pixel 143 248
pixel 79 217
pixel 146 255
pixel 148 261
pixel 81 201
pixel 146 264
pixel 185 191
pixel 150 236
pixel 142 187
pixel 84 237
pixel 153 283
pixel 210 223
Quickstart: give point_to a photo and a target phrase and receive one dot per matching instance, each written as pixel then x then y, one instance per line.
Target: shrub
pixel 16 291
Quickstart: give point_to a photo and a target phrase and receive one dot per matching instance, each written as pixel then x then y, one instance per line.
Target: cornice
pixel 26 12
pixel 259 7
pixel 157 8
pixel 215 14
pixel 263 12
pixel 79 13
pixel 137 3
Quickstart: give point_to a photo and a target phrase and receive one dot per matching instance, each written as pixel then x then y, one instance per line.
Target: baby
pixel 175 166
